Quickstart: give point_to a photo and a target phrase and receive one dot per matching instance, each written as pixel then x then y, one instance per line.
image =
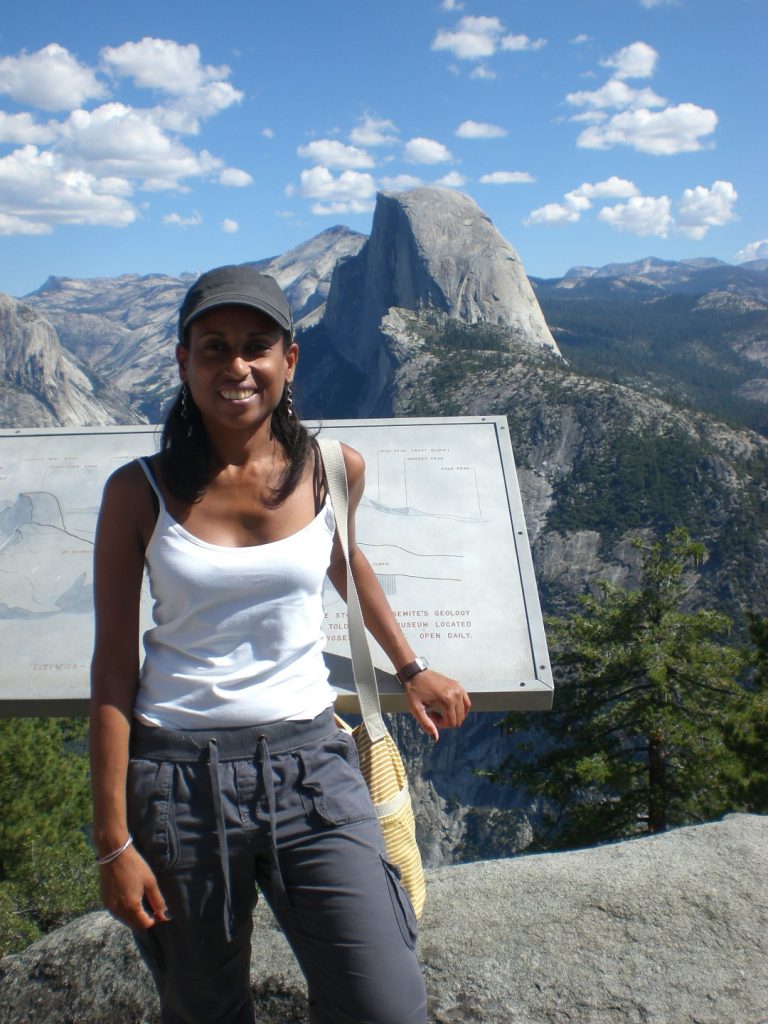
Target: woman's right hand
pixel 130 892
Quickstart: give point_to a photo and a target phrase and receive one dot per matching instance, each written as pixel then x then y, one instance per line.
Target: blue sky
pixel 172 137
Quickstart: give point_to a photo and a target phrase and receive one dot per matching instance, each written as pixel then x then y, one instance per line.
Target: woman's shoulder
pixel 128 478
pixel 354 463
pixel 128 499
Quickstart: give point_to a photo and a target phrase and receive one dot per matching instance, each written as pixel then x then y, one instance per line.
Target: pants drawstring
pixel 278 885
pixel 221 832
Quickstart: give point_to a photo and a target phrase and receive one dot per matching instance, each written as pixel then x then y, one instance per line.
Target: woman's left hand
pixel 436 702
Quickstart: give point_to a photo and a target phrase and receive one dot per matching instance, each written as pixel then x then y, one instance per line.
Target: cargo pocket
pixel 330 782
pixel 401 904
pixel 151 818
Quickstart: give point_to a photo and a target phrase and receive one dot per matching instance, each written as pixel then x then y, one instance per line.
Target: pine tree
pixel 747 733
pixel 636 740
pixel 46 863
pixel 44 793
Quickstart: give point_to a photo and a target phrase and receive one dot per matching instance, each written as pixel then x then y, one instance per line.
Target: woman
pixel 216 765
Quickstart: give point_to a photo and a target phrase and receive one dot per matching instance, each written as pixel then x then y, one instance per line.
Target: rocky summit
pixel 429 249
pixel 671 929
pixel 304 272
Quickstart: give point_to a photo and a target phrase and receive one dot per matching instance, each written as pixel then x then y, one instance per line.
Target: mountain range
pixel 636 396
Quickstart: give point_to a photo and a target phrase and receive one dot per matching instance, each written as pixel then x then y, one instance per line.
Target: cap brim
pixel 238 299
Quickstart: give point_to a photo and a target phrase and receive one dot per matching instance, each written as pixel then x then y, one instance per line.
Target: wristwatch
pixel 407 672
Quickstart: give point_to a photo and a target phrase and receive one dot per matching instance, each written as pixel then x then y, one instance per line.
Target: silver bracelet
pixel 109 857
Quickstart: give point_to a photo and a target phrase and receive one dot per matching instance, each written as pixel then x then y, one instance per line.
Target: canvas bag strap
pixel 362 663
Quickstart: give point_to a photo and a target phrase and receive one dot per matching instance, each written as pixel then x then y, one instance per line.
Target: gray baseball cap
pixel 239 285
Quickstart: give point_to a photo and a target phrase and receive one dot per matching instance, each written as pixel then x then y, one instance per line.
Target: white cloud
pixel 229 227
pixel 575 202
pixel 332 153
pixel 177 221
pixel 477 37
pixel 507 178
pixel 184 113
pixel 97 157
pixel 39 190
pixel 582 37
pixel 753 251
pixel 426 151
pixel 452 180
pixel 589 117
pixel 22 128
pixel 50 79
pixel 481 71
pixel 474 38
pixel 700 208
pixel 342 206
pixel 374 131
pixel 518 43
pixel 351 192
pixel 615 93
pixel 674 130
pixel 638 60
pixel 657 3
pixel 640 215
pixel 451 5
pixel 399 182
pixel 235 178
pixel 612 188
pixel 162 64
pixel 115 139
pixel 267 133
pixel 553 213
pixel 12 225
pixel 480 130
pixel 579 200
pixel 197 90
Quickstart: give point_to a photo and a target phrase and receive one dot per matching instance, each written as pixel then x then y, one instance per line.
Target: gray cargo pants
pixel 283 807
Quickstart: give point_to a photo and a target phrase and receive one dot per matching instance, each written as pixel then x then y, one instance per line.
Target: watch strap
pixel 407 672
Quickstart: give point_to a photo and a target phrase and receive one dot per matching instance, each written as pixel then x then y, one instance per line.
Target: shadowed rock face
pixel 41 383
pixel 671 929
pixel 429 248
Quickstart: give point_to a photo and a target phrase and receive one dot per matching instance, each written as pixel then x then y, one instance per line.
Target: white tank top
pixel 238 636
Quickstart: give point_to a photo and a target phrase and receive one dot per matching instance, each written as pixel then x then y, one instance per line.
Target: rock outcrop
pixel 304 272
pixel 41 384
pixel 671 929
pixel 123 328
pixel 429 249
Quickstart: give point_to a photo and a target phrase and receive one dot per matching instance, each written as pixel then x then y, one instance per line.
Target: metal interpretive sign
pixel 441 522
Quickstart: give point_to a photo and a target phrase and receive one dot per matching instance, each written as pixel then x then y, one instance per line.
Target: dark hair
pixel 187 459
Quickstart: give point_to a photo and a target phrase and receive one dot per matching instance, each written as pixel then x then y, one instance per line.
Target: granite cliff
pixel 431 250
pixel 42 384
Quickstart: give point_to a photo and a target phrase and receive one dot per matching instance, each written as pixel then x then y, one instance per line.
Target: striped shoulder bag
pixel 380 761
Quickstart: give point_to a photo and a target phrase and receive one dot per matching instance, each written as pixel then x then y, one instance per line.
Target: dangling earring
pixel 289 399
pixel 186 398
